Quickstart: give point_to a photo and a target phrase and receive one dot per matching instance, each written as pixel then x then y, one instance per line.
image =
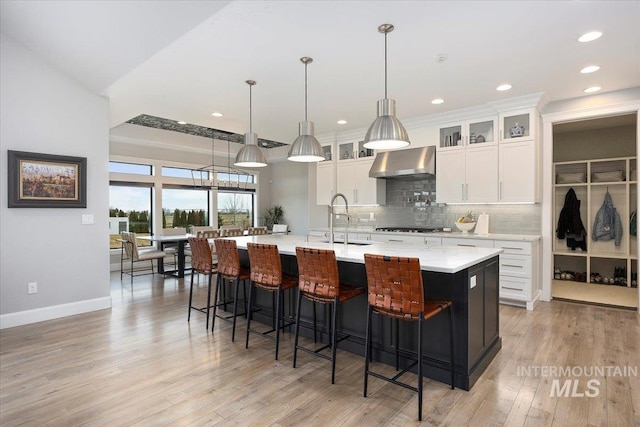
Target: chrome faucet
pixel 331 215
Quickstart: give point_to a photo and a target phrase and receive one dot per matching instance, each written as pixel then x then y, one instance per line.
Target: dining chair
pixel 280 229
pixel 135 254
pixel 202 262
pixel 319 282
pixel 256 231
pixel 396 290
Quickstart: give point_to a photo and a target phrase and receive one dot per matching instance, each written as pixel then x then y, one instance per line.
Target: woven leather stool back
pixel 318 274
pixel 228 259
pixel 200 255
pixel 395 286
pixel 266 268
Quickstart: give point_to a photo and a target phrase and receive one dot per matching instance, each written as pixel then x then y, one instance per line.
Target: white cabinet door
pixel 518 172
pixel 369 191
pixel 346 180
pixel 481 174
pixel 324 183
pixel 355 184
pixel 450 182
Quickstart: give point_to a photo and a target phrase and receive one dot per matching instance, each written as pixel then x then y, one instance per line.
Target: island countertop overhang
pixel 442 259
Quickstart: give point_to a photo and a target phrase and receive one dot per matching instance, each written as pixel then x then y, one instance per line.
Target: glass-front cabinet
pixel 468 133
pixel 353 150
pixel 327 151
pixel 518 125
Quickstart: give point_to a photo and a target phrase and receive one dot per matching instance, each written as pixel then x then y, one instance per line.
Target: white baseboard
pixel 53 312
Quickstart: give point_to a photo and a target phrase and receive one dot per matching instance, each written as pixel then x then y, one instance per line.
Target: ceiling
pixel 183 60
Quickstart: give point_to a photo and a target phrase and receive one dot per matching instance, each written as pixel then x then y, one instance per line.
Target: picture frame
pixel 38 180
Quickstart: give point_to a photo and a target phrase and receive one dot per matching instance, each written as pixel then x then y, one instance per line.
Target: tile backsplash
pixel 411 203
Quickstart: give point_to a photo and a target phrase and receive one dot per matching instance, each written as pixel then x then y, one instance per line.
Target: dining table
pixel 162 241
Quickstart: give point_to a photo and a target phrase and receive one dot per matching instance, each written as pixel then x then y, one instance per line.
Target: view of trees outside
pixel 235 208
pixel 134 203
pixel 184 207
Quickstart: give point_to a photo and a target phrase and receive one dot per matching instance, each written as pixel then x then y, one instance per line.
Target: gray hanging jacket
pixel 607 225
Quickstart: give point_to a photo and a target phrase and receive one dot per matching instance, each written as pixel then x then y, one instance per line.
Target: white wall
pixel 42 110
pixel 288 187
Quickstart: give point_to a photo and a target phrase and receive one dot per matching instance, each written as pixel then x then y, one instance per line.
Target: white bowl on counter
pixel 465 227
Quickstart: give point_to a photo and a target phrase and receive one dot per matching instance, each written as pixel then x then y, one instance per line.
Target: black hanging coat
pixel 570 224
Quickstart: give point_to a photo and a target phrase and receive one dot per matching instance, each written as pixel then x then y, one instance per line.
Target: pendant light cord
pixel 250 112
pixel 305 92
pixel 385 65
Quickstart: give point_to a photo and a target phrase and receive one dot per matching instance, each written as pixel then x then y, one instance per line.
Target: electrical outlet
pixel 32 288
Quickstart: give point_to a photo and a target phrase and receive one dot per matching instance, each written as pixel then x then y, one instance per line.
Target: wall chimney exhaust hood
pixel 401 163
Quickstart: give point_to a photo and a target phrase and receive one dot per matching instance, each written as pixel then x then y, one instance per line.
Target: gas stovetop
pixel 411 229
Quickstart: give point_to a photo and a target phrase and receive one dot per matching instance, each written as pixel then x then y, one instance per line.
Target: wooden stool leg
pixel 216 296
pixel 251 292
pixel 334 340
pixel 208 296
pixel 295 344
pixel 235 309
pixel 277 310
pixel 191 299
pixel 367 349
pixel 420 327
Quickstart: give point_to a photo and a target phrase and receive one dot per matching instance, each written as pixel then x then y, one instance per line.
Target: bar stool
pixel 266 273
pixel 319 282
pixel 202 263
pixel 229 268
pixel 396 290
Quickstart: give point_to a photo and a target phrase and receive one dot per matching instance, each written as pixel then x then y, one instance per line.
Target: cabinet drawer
pixel 318 233
pixel 475 243
pixel 511 247
pixel 362 236
pixel 515 265
pixel 432 241
pixel 514 287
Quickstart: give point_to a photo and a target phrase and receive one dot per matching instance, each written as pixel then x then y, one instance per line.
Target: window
pixel 184 206
pixel 196 174
pixel 234 179
pixel 131 168
pixel 236 207
pixel 129 210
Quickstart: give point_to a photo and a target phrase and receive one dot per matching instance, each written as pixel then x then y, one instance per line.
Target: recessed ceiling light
pixel 592 89
pixel 504 87
pixel 342 122
pixel 437 101
pixel 216 114
pixel 180 122
pixel 590 36
pixel 590 69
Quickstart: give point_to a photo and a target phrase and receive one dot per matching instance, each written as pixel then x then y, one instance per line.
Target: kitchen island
pixel 467 276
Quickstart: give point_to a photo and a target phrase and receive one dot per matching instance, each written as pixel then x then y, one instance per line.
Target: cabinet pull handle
pixel 469 246
pixel 462 189
pixel 395 240
pixel 511 289
pixel 466 186
pixel 500 192
pixel 512 265
pixel 510 247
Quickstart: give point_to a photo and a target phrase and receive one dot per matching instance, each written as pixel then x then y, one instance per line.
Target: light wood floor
pixel 595 293
pixel 141 363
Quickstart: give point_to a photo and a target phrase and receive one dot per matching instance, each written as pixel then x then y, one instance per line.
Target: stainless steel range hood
pixel 402 163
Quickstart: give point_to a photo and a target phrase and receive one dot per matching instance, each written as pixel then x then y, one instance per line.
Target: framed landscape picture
pixel 46 180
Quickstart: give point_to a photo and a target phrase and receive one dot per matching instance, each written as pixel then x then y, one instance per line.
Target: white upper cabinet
pixel 325 188
pixel 519 153
pixel 467 162
pixel 353 181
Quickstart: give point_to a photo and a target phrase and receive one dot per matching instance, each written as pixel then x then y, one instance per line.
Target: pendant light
pixel 250 156
pixel 386 132
pixel 306 147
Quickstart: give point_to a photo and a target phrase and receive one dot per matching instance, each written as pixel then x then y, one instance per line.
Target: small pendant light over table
pixel 250 156
pixel 306 147
pixel 386 132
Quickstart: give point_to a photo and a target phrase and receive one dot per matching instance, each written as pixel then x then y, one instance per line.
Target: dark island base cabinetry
pixel 474 292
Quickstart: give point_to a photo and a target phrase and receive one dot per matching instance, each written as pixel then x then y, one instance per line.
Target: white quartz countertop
pixel 454 234
pixel 444 259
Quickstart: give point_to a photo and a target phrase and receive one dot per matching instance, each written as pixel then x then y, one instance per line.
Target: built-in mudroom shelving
pixel 603 262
